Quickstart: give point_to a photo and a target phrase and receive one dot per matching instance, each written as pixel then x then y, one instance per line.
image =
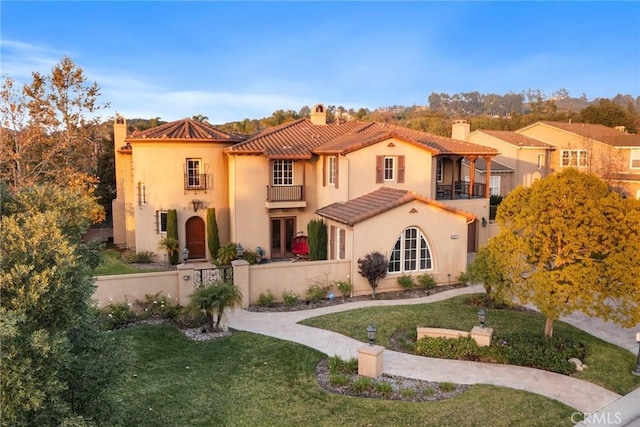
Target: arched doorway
pixel 195 232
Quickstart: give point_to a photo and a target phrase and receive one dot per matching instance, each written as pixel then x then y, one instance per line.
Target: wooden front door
pixel 282 231
pixel 195 232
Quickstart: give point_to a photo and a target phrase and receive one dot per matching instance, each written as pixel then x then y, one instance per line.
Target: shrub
pixel 344 288
pixel 213 238
pixel 158 305
pixel 227 253
pixel 250 256
pixel 426 281
pixel 384 387
pixel 142 257
pixel 265 299
pixel 316 292
pixel 374 267
pixel 338 380
pixel 338 365
pixel 406 281
pixel 290 298
pixel 172 246
pixel 172 234
pixel 116 316
pixel 463 277
pixel 317 240
pixel 362 384
pixel 447 387
pixel 429 391
pixel 536 351
pixel 463 348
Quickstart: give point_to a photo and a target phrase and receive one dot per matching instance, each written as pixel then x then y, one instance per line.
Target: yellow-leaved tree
pixel 568 243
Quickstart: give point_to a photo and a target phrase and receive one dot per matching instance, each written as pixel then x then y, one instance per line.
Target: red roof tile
pixel 301 139
pixel 186 129
pixel 516 139
pixel 377 202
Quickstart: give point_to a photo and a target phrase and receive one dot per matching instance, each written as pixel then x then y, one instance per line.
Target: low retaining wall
pixel 131 287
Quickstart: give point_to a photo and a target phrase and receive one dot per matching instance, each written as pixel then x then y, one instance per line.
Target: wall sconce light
pixel 484 221
pixel 239 250
pixel 197 204
pixel 482 317
pixel 185 255
pixel 371 333
pixel 186 277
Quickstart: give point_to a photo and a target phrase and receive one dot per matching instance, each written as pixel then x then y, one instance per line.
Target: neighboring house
pixel 379 187
pixel 542 148
pixel 178 165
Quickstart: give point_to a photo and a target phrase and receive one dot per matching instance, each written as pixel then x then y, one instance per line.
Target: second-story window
pixel 575 158
pixel 635 159
pixel 332 170
pixel 193 172
pixel 283 172
pixel 389 169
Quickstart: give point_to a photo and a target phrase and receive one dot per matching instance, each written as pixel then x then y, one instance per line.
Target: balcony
pixel 460 190
pixel 285 196
pixel 197 181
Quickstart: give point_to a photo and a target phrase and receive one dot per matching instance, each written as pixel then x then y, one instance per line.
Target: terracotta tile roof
pixel 496 167
pixel 516 139
pixel 600 133
pixel 377 202
pixel 186 129
pixel 294 140
pixel 300 139
pixel 371 133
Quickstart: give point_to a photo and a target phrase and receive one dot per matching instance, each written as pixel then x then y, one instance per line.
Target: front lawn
pixel 111 263
pixel 253 380
pixel 608 365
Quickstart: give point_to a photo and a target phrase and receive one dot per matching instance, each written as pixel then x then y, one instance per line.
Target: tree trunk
pixel 210 320
pixel 548 328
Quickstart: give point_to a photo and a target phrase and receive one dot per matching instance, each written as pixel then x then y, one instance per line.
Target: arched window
pixel 410 253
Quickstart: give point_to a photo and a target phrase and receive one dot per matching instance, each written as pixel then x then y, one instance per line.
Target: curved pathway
pixel 580 395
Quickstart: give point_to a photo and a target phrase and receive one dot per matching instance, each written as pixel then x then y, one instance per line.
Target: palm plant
pixel 172 246
pixel 214 300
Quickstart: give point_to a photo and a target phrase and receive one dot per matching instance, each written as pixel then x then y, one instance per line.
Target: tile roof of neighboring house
pixel 600 133
pixel 293 140
pixel 377 202
pixel 186 129
pixel 496 167
pixel 516 139
pixel 301 138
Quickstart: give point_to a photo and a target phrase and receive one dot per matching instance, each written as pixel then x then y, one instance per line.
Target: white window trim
pixel 439 170
pixel 391 169
pixel 331 172
pixel 194 173
pixel 287 165
pixel 420 239
pixel 159 222
pixel 579 155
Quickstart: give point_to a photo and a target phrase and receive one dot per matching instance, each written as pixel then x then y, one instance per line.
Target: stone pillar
pixel 241 279
pixel 482 336
pixel 185 283
pixel 370 361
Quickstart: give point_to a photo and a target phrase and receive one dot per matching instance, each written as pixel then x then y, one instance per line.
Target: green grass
pixel 112 264
pixel 253 380
pixel 609 366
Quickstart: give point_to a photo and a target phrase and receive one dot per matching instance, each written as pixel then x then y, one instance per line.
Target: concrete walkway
pixel 581 395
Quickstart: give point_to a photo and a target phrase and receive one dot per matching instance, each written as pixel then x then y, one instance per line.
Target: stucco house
pixel 542 148
pixel 379 187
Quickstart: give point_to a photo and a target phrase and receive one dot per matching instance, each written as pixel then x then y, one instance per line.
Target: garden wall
pixel 131 287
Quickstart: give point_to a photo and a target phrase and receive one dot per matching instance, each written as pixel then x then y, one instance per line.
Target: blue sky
pixel 236 60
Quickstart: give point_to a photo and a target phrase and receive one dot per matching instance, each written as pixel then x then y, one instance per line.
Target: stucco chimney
pixel 621 129
pixel 460 130
pixel 119 131
pixel 318 115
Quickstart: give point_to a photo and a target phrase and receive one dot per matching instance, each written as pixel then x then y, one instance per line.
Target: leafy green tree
pixel 569 243
pixel 57 366
pixel 172 233
pixel 213 237
pixel 373 266
pixel 214 299
pixel 608 113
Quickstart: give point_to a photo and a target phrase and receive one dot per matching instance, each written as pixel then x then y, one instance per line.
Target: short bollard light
pixel 185 255
pixel 371 333
pixel 636 371
pixel 482 317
